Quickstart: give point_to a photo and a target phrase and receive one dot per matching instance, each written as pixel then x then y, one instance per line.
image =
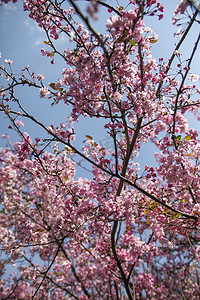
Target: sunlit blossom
pixel 193 77
pixel 8 61
pixel 44 92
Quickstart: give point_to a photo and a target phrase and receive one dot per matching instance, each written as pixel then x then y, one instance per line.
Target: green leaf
pixel 121 7
pixel 52 54
pixel 153 206
pixel 133 43
pixel 187 138
pixel 175 216
pixel 178 137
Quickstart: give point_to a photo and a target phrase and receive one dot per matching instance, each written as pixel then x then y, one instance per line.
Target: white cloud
pixel 63 39
pixel 9 7
pixel 32 26
pixel 6 11
pixel 39 42
pixel 37 34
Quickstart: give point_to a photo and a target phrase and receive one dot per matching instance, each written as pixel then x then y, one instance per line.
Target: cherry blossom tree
pixel 124 232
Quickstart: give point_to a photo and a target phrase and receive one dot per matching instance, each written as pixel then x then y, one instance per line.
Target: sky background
pixel 21 39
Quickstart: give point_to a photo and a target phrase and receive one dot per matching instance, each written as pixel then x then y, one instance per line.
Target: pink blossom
pixel 44 92
pixel 43 51
pixel 110 23
pixel 193 77
pixel 40 77
pixel 160 6
pixel 8 61
pixel 71 36
pixel 19 123
pixel 101 219
pixel 181 7
pixel 196 209
pixel 5 136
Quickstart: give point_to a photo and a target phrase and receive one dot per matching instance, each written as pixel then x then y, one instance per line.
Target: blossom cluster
pixel 126 230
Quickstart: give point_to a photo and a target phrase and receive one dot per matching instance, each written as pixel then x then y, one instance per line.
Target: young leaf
pixel 178 137
pixel 188 155
pixel 152 40
pixel 53 86
pixel 89 137
pixel 133 43
pixel 187 138
pixel 175 216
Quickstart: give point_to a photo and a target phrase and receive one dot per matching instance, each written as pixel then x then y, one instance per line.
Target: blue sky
pixel 21 40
